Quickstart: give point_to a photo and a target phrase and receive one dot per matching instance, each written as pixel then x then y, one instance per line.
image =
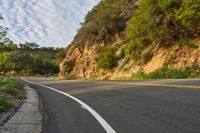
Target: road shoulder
pixel 28 118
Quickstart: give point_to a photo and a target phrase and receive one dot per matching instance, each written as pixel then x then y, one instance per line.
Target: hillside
pixel 135 39
pixel 28 61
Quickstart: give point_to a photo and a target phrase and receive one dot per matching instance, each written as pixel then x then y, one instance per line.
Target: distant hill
pixel 29 61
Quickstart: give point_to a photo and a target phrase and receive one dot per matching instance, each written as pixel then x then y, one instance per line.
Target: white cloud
pixel 46 22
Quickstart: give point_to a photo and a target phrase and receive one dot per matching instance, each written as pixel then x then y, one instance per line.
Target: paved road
pixel 154 106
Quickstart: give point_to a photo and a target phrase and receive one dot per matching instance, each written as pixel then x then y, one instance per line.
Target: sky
pixel 50 23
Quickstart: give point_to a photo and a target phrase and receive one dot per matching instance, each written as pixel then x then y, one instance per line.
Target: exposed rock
pixel 82 63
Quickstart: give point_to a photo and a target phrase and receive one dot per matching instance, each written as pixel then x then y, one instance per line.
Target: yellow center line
pixel 147 84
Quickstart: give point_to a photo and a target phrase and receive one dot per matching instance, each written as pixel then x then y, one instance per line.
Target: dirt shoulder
pixel 28 117
pixel 12 96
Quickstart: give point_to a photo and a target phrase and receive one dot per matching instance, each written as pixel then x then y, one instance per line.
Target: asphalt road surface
pixel 153 106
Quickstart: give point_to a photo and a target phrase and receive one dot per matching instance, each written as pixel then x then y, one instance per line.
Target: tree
pixel 11 45
pixel 3 33
pixel 60 54
pixel 106 20
pixel 18 62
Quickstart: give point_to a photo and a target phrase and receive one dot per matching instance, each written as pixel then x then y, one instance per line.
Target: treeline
pixel 27 58
pixel 21 63
pixel 29 61
pixel 11 46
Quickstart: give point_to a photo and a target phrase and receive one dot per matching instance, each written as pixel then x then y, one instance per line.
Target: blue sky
pixel 46 22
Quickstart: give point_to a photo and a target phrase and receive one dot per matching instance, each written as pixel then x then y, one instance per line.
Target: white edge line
pixel 103 123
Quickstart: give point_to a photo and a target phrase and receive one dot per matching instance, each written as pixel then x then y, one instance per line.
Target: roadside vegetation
pixel 167 73
pixel 163 23
pixel 11 93
pixel 27 62
pixel 107 59
pixel 28 59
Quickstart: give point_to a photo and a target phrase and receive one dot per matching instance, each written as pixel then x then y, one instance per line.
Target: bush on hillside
pixel 165 73
pixel 163 22
pixel 107 59
pixel 108 18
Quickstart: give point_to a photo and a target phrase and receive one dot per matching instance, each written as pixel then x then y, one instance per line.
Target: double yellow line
pixel 147 84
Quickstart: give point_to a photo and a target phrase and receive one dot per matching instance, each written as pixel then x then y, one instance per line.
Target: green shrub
pixel 131 52
pixel 4 105
pixel 3 56
pixel 165 73
pixel 163 22
pixel 19 97
pixel 26 63
pixel 189 12
pixel 10 89
pixel 104 21
pixel 10 85
pixel 11 81
pixel 69 76
pixel 139 75
pixel 107 58
pixel 186 42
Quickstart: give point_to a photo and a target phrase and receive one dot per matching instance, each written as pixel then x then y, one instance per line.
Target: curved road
pixel 153 106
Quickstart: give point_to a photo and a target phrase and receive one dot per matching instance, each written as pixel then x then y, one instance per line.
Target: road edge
pixel 28 118
pixel 101 121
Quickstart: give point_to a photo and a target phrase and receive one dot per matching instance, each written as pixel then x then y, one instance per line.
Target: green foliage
pixel 107 59
pixel 141 26
pixel 163 22
pixel 28 45
pixel 134 53
pixel 186 42
pixel 189 12
pixel 43 66
pixel 4 105
pixel 10 89
pixel 165 73
pixel 69 76
pixel 108 18
pixel 131 52
pixel 29 62
pixel 60 54
pixel 3 57
pixel 19 97
pixel 27 58
pixel 10 85
pixel 139 76
pixel 9 80
pixel 18 62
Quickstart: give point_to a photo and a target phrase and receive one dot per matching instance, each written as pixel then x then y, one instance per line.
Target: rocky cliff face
pixel 80 62
pixel 143 36
pixel 83 65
